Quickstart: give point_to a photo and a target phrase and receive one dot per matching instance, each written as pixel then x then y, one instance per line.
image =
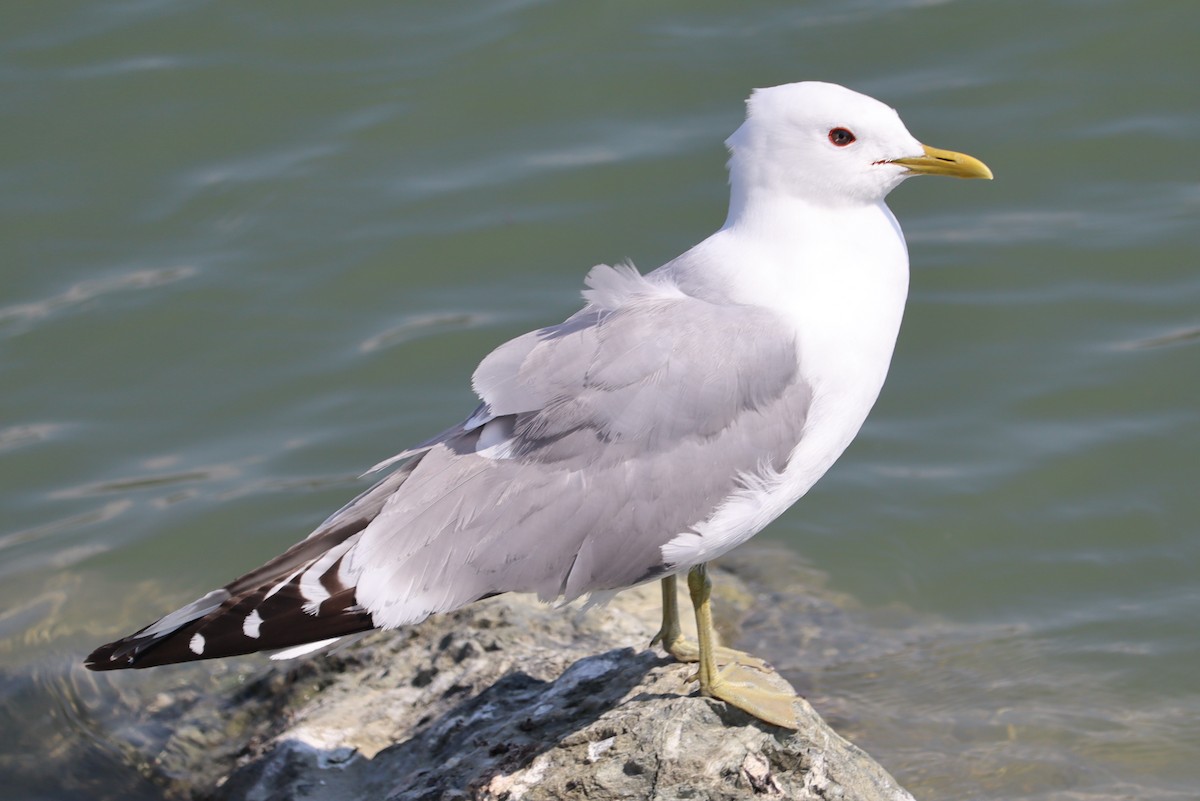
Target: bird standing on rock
pixel 665 423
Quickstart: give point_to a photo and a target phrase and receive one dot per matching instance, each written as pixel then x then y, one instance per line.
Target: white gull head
pixel 830 146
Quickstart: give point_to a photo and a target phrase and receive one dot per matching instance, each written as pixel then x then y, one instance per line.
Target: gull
pixel 666 422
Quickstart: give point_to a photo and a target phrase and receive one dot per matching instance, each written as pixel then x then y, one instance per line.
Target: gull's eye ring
pixel 841 137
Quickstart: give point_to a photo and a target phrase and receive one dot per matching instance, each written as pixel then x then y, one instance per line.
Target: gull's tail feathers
pixel 270 612
pixel 301 597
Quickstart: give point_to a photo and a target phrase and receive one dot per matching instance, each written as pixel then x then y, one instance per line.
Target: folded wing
pixel 597 441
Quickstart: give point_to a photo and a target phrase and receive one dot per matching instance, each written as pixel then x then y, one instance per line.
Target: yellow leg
pixel 747 689
pixel 671 635
pixel 700 587
pixel 685 650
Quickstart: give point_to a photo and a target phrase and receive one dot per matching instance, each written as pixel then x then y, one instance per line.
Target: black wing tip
pixel 106 658
pixel 218 618
pixel 97 663
pixel 221 635
pixel 120 654
pixel 103 665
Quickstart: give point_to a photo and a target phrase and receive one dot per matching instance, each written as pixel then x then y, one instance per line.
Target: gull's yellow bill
pixel 945 162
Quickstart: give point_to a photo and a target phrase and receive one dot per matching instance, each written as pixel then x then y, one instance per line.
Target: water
pixel 251 250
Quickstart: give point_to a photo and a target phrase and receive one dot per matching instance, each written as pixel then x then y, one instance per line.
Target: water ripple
pixel 1181 336
pixel 19 436
pixel 67 555
pixel 23 314
pixel 419 326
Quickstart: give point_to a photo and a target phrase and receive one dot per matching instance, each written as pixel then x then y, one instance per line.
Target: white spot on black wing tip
pixel 251 624
pixel 196 645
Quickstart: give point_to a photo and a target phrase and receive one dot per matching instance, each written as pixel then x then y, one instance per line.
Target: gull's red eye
pixel 841 137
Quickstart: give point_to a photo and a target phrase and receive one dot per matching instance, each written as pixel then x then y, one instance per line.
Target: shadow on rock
pixel 471 750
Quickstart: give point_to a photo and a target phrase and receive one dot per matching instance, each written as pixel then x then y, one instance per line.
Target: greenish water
pixel 251 249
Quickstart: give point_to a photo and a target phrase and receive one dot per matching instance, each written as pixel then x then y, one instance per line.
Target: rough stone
pixel 506 700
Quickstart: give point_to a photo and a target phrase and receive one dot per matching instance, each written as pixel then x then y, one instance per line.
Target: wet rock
pixel 509 699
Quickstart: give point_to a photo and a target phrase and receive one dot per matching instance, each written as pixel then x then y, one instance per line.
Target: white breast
pixel 843 286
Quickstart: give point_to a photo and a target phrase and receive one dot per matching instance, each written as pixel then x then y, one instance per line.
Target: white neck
pixel 839 276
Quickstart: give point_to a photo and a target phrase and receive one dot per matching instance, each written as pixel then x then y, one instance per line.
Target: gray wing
pixel 598 440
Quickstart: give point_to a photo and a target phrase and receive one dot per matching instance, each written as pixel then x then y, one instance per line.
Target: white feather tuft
pixel 611 287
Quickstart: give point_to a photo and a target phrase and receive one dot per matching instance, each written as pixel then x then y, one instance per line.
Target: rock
pixel 508 699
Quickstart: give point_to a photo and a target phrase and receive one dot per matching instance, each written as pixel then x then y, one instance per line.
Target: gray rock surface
pixel 509 699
